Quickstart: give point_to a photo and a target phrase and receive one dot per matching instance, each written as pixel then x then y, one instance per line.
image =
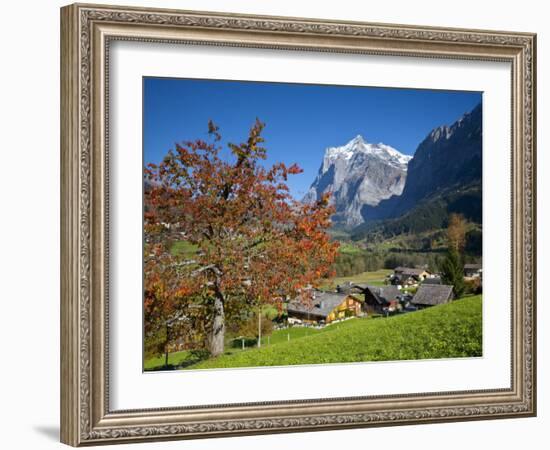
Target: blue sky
pixel 301 120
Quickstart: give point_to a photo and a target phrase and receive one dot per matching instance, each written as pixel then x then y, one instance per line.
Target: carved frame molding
pixel 86 31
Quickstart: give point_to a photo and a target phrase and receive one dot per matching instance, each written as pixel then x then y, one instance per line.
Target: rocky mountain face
pixel 359 174
pixel 446 161
pixel 374 182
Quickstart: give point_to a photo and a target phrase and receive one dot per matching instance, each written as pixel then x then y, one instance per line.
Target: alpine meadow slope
pixel 445 331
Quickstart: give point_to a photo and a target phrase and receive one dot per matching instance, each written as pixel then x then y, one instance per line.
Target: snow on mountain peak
pixel 358 145
pixel 359 173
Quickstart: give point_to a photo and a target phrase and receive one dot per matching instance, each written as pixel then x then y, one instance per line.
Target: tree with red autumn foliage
pixel 254 244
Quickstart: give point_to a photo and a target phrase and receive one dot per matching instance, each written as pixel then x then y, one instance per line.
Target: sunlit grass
pixel 446 331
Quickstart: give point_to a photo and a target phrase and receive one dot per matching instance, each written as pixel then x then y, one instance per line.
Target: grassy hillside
pixel 232 346
pixel 447 331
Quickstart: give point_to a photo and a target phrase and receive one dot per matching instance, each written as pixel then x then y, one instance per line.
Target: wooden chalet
pixel 379 299
pixel 351 288
pixel 418 273
pixel 408 276
pixel 324 306
pixel 432 294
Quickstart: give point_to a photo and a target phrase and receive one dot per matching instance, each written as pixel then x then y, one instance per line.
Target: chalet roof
pixel 383 294
pixel 432 280
pixel 349 287
pixel 409 271
pixel 320 305
pixel 344 287
pixel 402 277
pixel 361 286
pixel 433 294
pixel 472 266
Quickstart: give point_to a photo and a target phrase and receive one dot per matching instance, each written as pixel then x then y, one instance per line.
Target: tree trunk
pixel 217 334
pixel 259 327
pixel 166 346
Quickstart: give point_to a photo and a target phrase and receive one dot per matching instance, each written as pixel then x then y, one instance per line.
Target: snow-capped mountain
pixel 357 174
pixel 359 145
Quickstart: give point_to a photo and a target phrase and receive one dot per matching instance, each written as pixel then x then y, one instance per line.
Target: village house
pixel 351 288
pixel 472 270
pixel 433 280
pixel 377 299
pixel 401 280
pixel 419 273
pixel 324 306
pixel 381 299
pixel 408 276
pixel 432 294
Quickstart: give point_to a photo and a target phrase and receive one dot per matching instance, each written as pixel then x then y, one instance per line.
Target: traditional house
pixel 324 306
pixel 432 294
pixel 402 280
pixel 420 274
pixel 472 270
pixel 379 299
pixel 351 288
pixel 408 276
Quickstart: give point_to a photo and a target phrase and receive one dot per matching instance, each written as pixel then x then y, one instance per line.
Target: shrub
pixel 473 286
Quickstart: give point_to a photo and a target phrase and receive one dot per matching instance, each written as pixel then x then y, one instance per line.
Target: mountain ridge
pixel 448 157
pixel 373 184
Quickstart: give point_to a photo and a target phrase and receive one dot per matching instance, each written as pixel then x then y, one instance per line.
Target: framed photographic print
pixel 276 224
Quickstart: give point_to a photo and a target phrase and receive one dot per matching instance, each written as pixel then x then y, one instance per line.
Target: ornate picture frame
pixel 87 32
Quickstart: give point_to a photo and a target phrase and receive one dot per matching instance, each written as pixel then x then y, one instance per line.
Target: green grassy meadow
pixel 374 278
pixel 446 331
pixel 233 346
